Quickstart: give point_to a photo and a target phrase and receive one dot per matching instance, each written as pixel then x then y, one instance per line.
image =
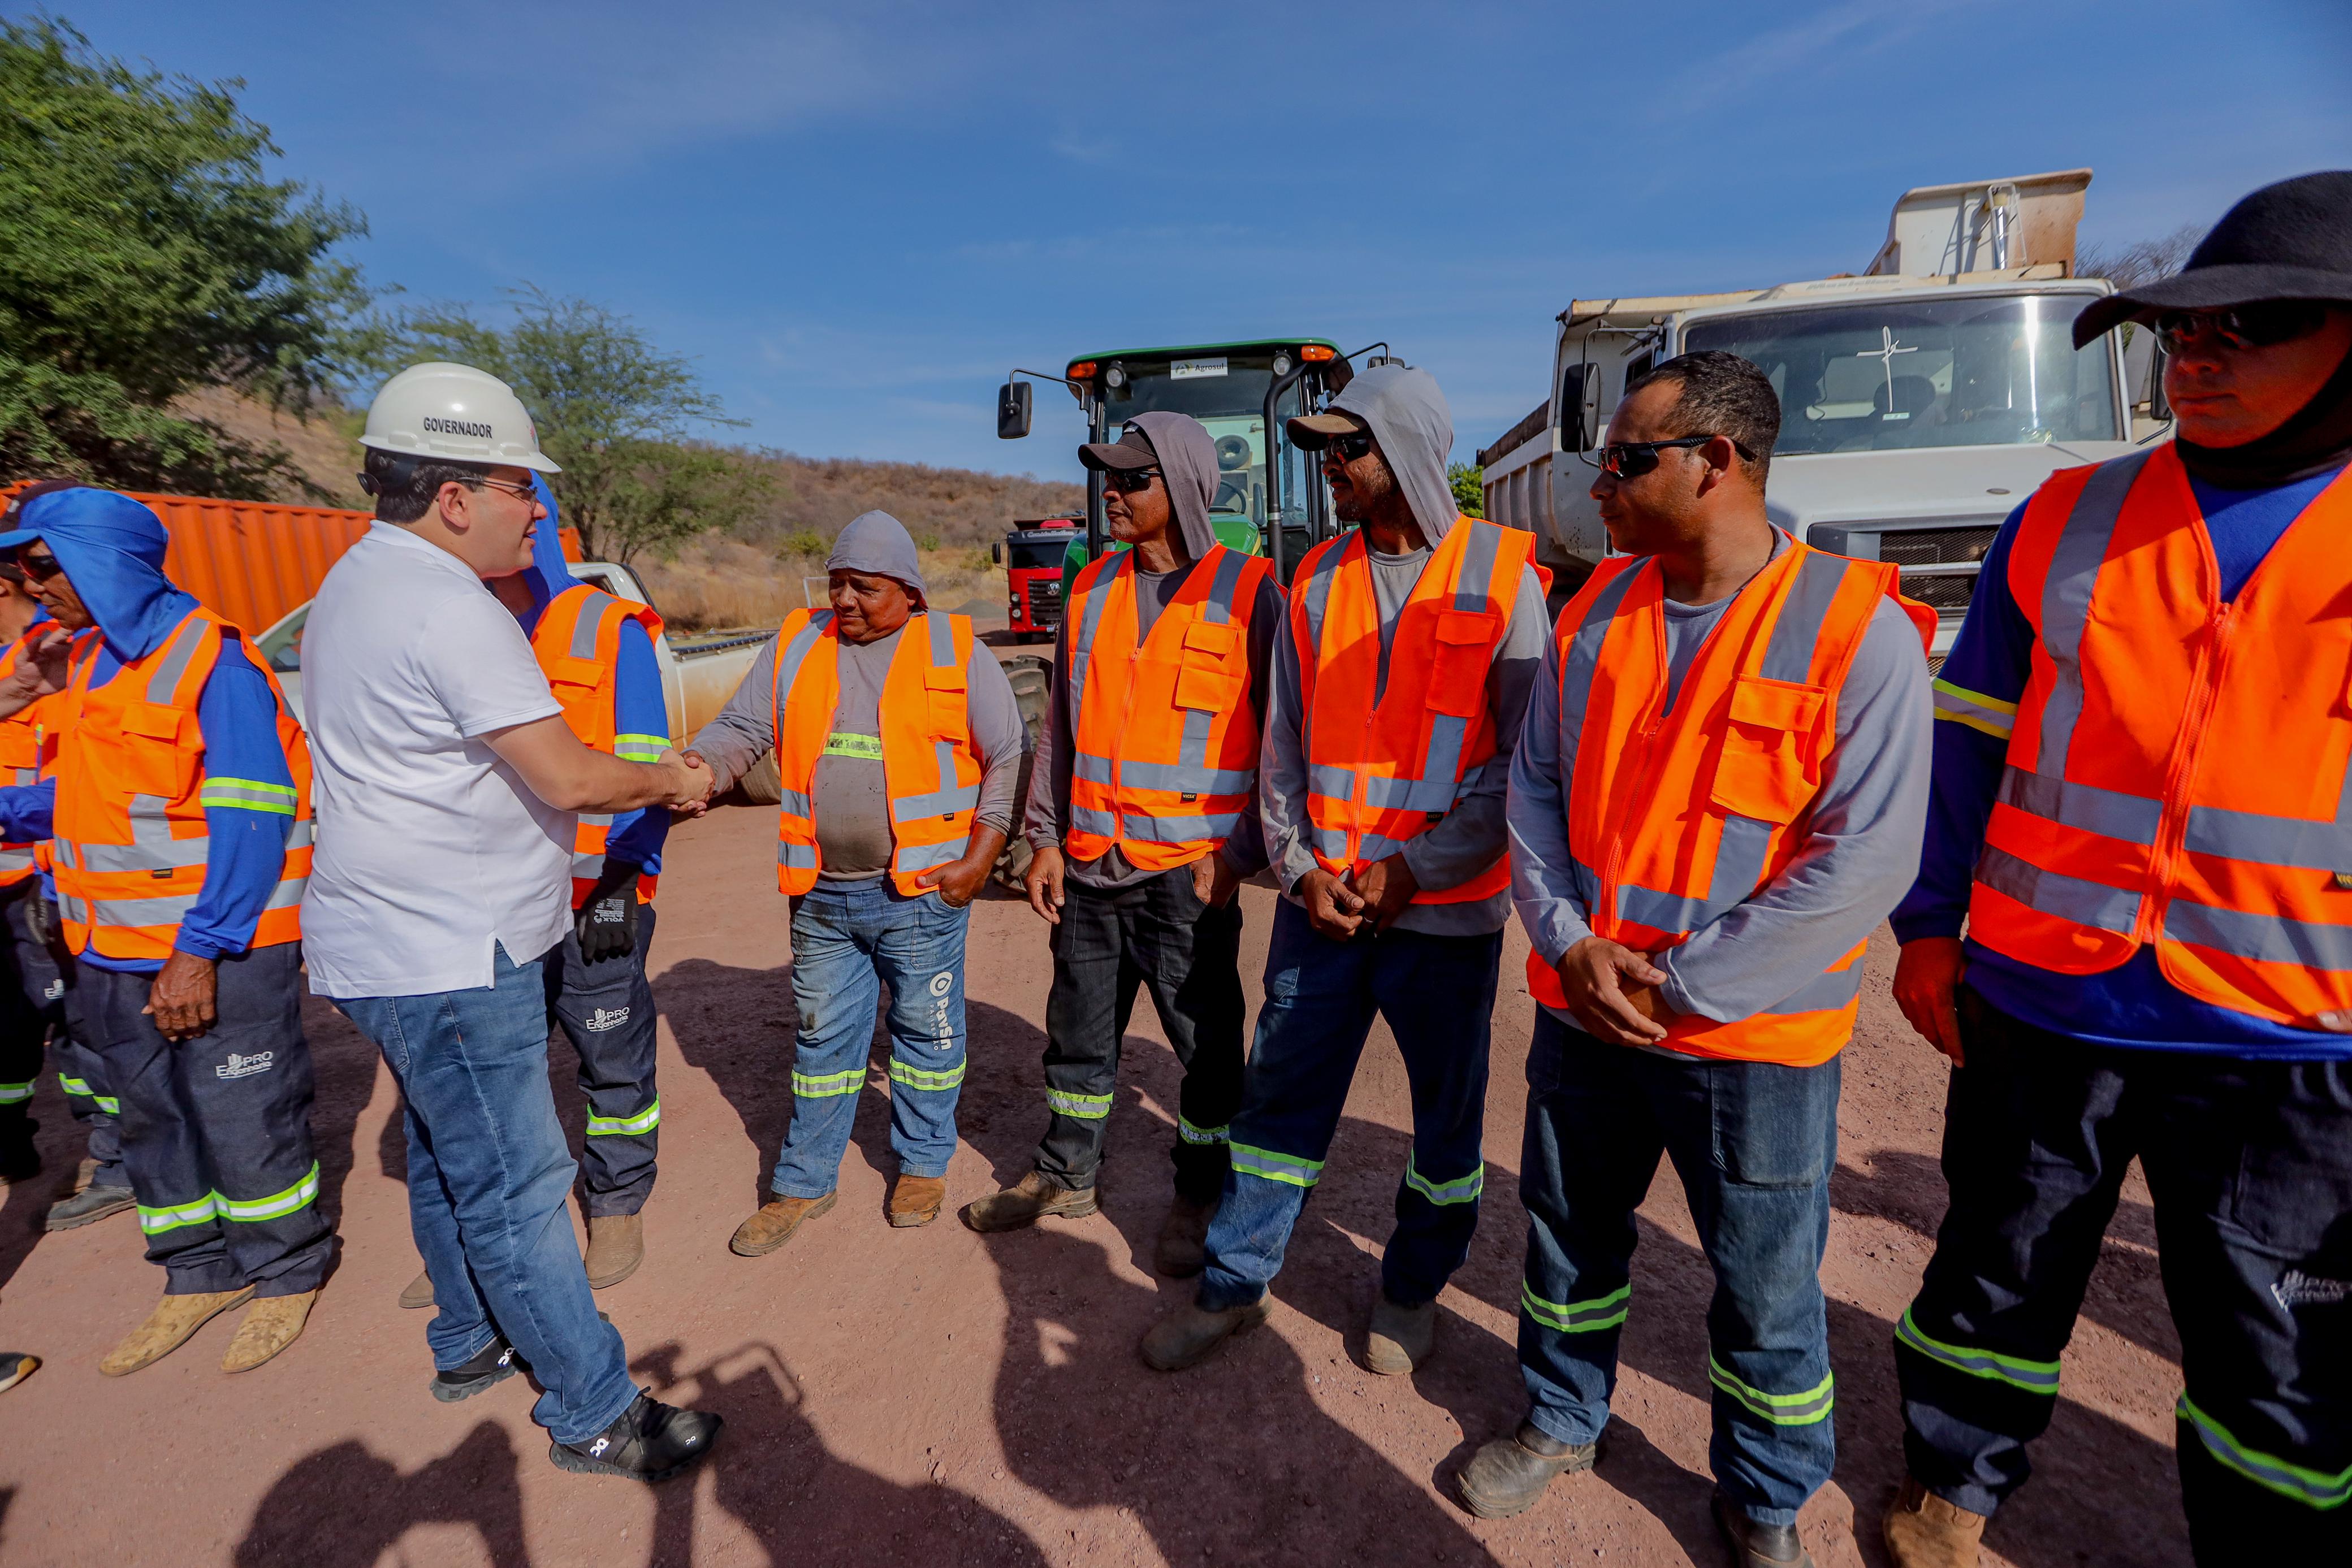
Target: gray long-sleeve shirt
pixel 1472 836
pixel 1857 862
pixel 1047 819
pixel 852 813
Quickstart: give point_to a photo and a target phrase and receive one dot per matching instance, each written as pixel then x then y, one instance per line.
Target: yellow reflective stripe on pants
pixel 644 1121
pixel 2317 1487
pixel 819 1088
pixel 919 1078
pixel 2033 1376
pixel 1193 1134
pixel 1578 1317
pixel 156 1221
pixel 1781 1409
pixel 276 1205
pixel 1464 1190
pixel 1085 1107
pixel 16 1093
pixel 1272 1166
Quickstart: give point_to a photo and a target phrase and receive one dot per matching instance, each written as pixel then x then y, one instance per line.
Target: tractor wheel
pixel 763 785
pixel 1032 678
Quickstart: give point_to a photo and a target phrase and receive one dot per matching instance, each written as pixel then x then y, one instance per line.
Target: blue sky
pixel 856 218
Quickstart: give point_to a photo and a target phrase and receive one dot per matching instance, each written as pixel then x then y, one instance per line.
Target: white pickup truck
pixel 1920 401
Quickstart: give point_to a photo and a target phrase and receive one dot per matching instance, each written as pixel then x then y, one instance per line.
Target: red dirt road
pixel 933 1397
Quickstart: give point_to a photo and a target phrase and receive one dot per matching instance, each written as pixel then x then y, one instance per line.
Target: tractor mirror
pixel 996 552
pixel 1013 411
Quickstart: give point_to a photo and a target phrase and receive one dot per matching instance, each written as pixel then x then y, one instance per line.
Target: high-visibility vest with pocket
pixel 1380 772
pixel 2180 769
pixel 1677 815
pixel 578 644
pixel 130 843
pixel 931 771
pixel 24 737
pixel 1164 762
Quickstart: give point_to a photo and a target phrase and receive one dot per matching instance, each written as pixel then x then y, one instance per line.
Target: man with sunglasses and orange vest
pixel 1398 687
pixel 180 815
pixel 897 748
pixel 1142 815
pixel 2144 814
pixel 1718 797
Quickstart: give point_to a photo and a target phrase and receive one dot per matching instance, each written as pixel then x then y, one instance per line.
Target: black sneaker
pixel 492 1365
pixel 651 1442
pixel 15 1367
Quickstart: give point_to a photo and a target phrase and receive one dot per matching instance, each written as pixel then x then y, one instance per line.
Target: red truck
pixel 1032 556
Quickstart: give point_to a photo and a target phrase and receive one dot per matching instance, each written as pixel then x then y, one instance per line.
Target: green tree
pixel 146 254
pixel 616 411
pixel 1469 489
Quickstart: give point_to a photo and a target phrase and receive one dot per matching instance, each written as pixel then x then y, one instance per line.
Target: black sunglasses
pixel 1632 459
pixel 37 567
pixel 1129 481
pixel 1348 448
pixel 2259 326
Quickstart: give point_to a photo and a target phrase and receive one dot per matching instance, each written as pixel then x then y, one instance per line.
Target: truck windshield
pixel 1227 394
pixel 1028 555
pixel 1969 371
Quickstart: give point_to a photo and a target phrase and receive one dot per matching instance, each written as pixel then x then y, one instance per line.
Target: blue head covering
pixel 547 574
pixel 113 550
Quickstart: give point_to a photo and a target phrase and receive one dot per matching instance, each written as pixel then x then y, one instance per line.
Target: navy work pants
pixel 44 974
pixel 2249 1167
pixel 1157 934
pixel 1753 1144
pixel 27 1016
pixel 1438 996
pixel 217 1129
pixel 606 1010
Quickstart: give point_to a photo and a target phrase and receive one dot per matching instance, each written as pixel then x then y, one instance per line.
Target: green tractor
pixel 1270 499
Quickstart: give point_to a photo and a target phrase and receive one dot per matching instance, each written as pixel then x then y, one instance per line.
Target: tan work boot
pixel 419 1292
pixel 616 1245
pixel 1399 1338
pixel 1183 1249
pixel 78 1183
pixel 1187 1336
pixel 916 1200
pixel 1032 1198
pixel 270 1325
pixel 1922 1530
pixel 167 1328
pixel 774 1224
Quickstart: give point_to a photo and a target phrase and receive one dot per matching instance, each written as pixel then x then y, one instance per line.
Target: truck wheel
pixel 1032 679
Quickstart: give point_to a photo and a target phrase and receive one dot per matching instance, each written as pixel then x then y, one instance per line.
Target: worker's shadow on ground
pixel 346 1507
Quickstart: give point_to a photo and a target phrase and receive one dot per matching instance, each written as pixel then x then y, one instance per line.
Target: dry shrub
pixel 726 585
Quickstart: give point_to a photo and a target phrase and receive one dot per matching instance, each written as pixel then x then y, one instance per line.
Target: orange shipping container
pixel 251 561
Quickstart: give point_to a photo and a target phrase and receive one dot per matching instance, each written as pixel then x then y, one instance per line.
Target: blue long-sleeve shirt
pixel 2132 1005
pixel 641 727
pixel 248 792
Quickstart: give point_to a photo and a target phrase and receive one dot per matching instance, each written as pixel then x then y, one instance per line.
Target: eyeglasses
pixel 1632 459
pixel 2259 326
pixel 1348 447
pixel 1129 481
pixel 519 492
pixel 37 567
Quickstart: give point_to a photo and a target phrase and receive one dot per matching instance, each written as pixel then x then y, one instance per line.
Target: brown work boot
pixel 1399 1338
pixel 419 1292
pixel 616 1245
pixel 1922 1530
pixel 774 1224
pixel 1183 1249
pixel 270 1325
pixel 167 1328
pixel 1187 1336
pixel 1028 1200
pixel 916 1200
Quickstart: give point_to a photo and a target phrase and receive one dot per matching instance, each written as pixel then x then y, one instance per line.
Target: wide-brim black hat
pixel 2288 241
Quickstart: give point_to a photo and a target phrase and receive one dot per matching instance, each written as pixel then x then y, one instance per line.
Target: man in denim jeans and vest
pixel 448 783
pixel 1717 794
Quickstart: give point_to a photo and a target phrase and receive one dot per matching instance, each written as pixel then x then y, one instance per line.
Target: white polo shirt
pixel 431 850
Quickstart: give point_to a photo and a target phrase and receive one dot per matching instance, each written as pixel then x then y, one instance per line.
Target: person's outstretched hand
pixel 690 795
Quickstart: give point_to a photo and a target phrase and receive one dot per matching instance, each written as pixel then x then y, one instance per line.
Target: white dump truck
pixel 1920 399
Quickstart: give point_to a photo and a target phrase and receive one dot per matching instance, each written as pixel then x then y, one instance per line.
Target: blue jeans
pixel 1753 1143
pixel 487 1176
pixel 1438 995
pixel 848 938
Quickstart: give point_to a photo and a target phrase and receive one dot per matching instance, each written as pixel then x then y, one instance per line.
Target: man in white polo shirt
pixel 447 783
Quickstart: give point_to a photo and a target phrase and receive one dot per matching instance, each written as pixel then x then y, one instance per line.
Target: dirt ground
pixel 934 1397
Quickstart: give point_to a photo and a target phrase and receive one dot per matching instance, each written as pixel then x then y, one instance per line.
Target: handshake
pixel 691 781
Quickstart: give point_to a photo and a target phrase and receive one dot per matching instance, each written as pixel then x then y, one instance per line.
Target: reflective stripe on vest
pixel 577 641
pixel 1164 757
pixel 2180 769
pixel 1679 814
pixel 1387 759
pixel 930 770
pixel 128 857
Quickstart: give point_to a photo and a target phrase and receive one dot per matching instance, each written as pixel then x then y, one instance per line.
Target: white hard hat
pixel 454 412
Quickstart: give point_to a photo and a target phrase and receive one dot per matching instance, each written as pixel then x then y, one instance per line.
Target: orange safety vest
pixel 578 644
pixel 930 774
pixel 1676 819
pixel 129 844
pixel 1381 772
pixel 1164 762
pixel 2178 771
pixel 21 747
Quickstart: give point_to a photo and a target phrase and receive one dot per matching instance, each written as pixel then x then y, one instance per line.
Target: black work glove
pixel 607 923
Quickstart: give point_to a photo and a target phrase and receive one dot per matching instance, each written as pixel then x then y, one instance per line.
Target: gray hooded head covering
pixel 1187 457
pixel 1407 414
pixel 877 542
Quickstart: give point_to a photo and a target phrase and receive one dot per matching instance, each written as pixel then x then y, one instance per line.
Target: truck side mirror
pixel 996 552
pixel 1013 411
